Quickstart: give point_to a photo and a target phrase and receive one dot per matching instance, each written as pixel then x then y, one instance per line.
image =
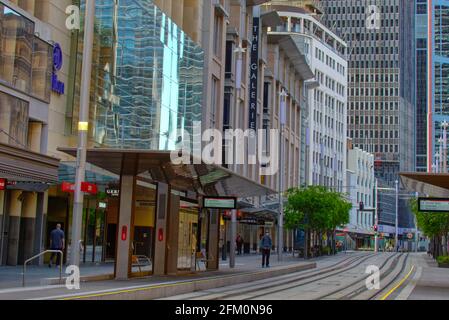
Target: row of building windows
pixel 384 63
pixel 375 50
pixel 374 78
pixel 375 134
pixel 374 120
pixel 376 148
pixel 374 106
pixel 330 62
pixel 334 8
pixel 383 92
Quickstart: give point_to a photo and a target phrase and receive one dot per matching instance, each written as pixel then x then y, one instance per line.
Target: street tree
pixel 318 210
pixel 435 225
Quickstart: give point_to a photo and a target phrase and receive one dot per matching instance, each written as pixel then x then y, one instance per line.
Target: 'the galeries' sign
pixel 254 75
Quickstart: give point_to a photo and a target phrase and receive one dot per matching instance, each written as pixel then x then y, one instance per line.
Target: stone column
pixel 14 211
pixel 2 218
pixel 214 235
pixel 41 222
pixel 34 136
pixel 126 208
pixel 162 204
pixel 27 227
pixel 172 236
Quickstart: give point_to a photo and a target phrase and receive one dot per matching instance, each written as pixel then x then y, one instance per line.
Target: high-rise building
pixel 381 108
pixel 437 75
pixel 421 84
pixel 326 98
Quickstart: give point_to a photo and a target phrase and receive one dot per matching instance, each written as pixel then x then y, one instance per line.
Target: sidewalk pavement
pixel 248 268
pixel 432 282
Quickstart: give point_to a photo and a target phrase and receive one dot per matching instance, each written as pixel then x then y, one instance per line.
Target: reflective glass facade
pixel 13 120
pixel 440 68
pixel 26 61
pixel 421 85
pixel 146 80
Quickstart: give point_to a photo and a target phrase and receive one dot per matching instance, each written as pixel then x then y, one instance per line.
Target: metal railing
pixel 39 255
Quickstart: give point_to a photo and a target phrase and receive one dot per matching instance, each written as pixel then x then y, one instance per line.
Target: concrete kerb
pixel 56 281
pixel 171 289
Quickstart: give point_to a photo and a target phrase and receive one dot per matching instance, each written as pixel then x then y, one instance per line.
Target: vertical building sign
pixel 254 75
pixel 56 85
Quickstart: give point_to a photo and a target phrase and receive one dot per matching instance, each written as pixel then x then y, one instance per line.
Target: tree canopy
pixel 433 224
pixel 316 208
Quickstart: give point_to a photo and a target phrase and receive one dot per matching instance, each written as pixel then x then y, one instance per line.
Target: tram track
pixel 314 280
pixel 302 277
pixel 358 287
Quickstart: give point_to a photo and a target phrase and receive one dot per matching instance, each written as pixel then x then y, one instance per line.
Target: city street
pixel 403 276
pixel 243 150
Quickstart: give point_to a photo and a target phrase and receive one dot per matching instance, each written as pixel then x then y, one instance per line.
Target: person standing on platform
pixel 266 244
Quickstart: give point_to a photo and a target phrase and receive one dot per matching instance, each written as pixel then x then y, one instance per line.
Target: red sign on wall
pixel 89 188
pixel 68 187
pixel 2 184
pixel 124 233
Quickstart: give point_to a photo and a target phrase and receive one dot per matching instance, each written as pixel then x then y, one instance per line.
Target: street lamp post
pixel 283 121
pixel 238 85
pixel 83 128
pixel 397 214
pixel 376 221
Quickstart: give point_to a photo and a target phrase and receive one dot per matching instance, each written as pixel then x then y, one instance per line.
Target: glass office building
pixel 438 75
pixel 146 78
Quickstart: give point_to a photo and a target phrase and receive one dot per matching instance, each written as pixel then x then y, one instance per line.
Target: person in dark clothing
pixel 265 245
pixel 57 242
pixel 239 242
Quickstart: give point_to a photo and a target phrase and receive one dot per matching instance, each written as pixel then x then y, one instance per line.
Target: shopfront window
pixel 144 226
pixel 187 236
pixel 13 120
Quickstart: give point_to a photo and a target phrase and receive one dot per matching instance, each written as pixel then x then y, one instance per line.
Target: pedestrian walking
pixel 239 242
pixel 265 245
pixel 57 242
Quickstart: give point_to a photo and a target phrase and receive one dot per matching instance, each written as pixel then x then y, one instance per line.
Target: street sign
pixel 113 192
pixel 410 235
pixel 89 188
pixel 219 203
pixel 68 187
pixel 433 205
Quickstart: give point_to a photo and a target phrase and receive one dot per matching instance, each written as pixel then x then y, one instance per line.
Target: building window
pixel 13 120
pixel 26 61
pixel 217 36
pixel 16 49
pixel 214 102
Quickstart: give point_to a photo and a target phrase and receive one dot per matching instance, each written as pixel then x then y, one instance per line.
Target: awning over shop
pixel 261 213
pixel 205 179
pixel 355 230
pixel 432 184
pixel 27 170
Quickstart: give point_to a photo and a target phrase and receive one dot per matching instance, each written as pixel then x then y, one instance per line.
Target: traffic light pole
pixel 376 221
pixel 83 128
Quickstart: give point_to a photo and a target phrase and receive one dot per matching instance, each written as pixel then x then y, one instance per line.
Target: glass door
pixel 187 236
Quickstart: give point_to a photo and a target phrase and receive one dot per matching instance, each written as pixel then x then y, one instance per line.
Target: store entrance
pixel 144 226
pixel 94 237
pixel 187 236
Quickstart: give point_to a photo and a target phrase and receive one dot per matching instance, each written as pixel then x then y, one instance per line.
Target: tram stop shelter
pixel 432 184
pixel 175 184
